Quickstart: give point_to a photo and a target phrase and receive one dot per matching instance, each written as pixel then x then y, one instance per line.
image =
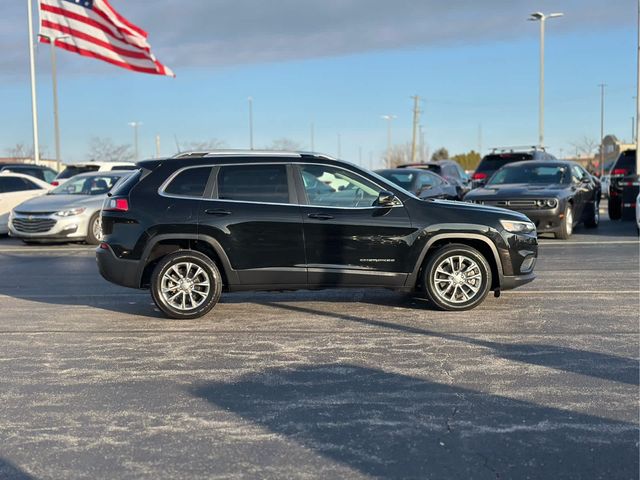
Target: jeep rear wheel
pixel 457 277
pixel 186 285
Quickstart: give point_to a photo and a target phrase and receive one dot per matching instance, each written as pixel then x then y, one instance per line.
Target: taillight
pixel 117 205
pixel 55 183
pixel 620 171
pixel 479 176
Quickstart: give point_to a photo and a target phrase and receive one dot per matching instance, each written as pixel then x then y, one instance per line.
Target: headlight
pixel 70 213
pixel 551 203
pixel 514 226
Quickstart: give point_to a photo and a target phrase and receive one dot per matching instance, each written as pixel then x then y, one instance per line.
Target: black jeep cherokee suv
pixel 189 227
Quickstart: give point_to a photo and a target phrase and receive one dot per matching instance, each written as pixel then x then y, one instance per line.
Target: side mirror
pixel 386 199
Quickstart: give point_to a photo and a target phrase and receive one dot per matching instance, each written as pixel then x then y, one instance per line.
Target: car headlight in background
pixel 515 226
pixel 549 203
pixel 71 212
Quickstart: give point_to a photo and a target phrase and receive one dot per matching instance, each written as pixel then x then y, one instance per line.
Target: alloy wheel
pixel 457 279
pixel 185 286
pixel 96 229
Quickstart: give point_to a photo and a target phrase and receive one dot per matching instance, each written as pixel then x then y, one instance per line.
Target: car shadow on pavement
pixel 593 364
pixel 389 425
pixel 8 471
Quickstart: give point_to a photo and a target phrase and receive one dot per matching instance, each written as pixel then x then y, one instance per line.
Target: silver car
pixel 70 212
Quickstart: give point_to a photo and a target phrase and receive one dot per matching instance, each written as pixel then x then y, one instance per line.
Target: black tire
pixel 615 208
pixel 566 226
pixel 211 273
pixel 593 215
pixel 92 239
pixel 433 287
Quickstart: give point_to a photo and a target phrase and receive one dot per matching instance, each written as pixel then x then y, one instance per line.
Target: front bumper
pixel 515 281
pixel 117 270
pixel 546 221
pixel 49 227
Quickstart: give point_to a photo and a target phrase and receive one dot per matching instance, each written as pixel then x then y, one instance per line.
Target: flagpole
pixel 34 103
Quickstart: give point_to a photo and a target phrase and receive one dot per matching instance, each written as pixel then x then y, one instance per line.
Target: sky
pixel 341 65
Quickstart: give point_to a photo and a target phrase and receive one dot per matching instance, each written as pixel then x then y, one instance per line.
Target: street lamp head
pixel 555 15
pixel 536 16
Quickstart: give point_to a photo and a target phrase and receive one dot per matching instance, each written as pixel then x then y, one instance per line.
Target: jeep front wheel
pixel 457 277
pixel 186 285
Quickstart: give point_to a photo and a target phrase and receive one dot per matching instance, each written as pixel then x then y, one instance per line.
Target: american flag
pixel 94 29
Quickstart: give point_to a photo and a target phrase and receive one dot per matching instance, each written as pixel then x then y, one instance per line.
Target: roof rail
pixel 518 147
pixel 248 153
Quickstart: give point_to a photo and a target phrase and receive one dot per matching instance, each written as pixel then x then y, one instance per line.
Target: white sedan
pixel 15 188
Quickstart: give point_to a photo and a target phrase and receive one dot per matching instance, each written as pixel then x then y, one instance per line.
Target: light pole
pixel 389 119
pixel 542 18
pixel 54 77
pixel 135 126
pixel 250 99
pixel 602 87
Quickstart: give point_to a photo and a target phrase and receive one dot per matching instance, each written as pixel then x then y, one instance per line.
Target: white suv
pixel 74 169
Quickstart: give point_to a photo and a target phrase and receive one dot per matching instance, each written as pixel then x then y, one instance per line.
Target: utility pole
pixel 416 122
pixel 542 18
pixel 633 129
pixel 250 99
pixel 421 140
pixel 135 126
pixel 32 71
pixel 602 87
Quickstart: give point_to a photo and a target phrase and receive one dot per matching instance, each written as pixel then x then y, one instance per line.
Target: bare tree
pixel 20 150
pixel 284 145
pixel 205 146
pixel 105 150
pixel 398 155
pixel 587 146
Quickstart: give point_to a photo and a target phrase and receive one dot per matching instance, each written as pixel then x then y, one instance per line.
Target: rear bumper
pixel 116 270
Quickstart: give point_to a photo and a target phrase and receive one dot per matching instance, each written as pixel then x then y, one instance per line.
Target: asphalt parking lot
pixel 540 383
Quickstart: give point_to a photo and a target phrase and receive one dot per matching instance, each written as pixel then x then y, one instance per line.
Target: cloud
pixel 215 33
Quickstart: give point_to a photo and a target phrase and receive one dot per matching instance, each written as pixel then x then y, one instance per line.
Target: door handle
pixel 320 216
pixel 217 211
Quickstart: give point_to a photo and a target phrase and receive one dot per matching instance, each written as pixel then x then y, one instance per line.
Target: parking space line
pixel 574 292
pixel 610 242
pixel 27 250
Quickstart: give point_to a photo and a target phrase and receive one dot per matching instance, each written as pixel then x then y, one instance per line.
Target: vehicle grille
pixel 513 203
pixel 33 225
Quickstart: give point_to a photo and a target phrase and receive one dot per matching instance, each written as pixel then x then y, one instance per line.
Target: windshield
pixel 627 161
pixel 73 170
pixel 93 185
pixel 536 174
pixel 494 162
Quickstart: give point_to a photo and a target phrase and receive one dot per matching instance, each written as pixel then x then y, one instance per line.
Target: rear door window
pixel 253 183
pixel 16 184
pixel 191 182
